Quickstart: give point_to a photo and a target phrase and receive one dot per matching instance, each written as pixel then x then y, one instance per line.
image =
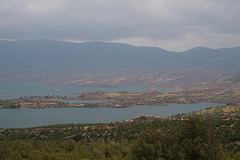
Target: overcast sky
pixel 174 25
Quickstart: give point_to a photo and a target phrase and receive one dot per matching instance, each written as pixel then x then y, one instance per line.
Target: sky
pixel 175 25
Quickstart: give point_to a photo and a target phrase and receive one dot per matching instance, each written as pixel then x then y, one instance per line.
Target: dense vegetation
pixel 176 138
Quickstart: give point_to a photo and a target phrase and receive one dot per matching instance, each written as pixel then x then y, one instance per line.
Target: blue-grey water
pixel 21 118
pixel 10 90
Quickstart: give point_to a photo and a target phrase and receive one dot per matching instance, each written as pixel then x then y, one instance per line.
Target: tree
pixel 148 146
pixel 193 139
pixel 197 139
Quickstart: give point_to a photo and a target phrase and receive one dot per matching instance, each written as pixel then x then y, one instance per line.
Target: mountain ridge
pixel 47 59
pixel 114 43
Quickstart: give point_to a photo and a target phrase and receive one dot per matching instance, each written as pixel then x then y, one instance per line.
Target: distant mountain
pixel 225 60
pixel 45 59
pixel 86 57
pixel 199 49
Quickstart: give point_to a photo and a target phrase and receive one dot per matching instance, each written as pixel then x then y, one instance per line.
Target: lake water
pixel 10 90
pixel 21 118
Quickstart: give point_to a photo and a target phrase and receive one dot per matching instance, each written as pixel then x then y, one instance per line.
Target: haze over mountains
pixel 73 62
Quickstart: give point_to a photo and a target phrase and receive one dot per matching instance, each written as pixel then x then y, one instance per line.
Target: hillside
pixel 168 139
pixel 112 64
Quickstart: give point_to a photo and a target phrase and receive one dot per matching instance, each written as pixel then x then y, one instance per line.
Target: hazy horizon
pixel 171 25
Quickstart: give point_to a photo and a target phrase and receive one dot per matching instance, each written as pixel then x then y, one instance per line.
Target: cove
pixel 12 90
pixel 22 118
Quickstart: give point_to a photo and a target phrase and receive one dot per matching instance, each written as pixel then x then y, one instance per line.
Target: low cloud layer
pixel 168 24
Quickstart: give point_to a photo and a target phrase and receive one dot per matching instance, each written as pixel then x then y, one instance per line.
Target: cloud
pixel 174 25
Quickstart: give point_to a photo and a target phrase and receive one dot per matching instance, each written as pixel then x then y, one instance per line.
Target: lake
pixel 11 90
pixel 21 118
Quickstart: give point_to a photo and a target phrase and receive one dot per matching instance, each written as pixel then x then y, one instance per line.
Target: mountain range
pixel 66 62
